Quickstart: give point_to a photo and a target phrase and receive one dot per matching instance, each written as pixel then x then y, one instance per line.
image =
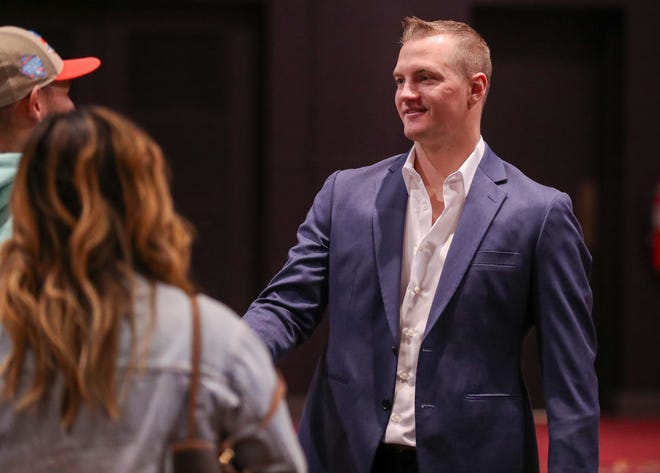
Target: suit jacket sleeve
pixel 289 309
pixel 567 341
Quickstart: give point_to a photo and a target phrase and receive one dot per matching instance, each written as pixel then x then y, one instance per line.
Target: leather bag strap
pixel 196 353
pixel 226 447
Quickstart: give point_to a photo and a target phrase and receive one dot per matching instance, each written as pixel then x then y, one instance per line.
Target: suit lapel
pixel 481 205
pixel 388 222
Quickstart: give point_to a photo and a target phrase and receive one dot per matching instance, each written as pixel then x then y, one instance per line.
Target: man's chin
pixel 413 134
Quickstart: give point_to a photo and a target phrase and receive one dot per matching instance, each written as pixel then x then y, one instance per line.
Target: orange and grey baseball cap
pixel 27 60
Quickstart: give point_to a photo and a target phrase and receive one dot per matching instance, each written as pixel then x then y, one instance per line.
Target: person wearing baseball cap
pixel 34 82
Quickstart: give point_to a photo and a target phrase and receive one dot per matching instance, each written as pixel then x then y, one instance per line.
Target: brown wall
pixel 299 88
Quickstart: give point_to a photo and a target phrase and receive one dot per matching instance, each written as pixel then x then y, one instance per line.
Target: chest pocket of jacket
pixel 496 260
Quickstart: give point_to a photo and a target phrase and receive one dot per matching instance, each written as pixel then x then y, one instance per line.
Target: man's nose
pixel 408 90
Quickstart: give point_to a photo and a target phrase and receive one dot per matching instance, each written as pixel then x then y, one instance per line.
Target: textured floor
pixel 626 445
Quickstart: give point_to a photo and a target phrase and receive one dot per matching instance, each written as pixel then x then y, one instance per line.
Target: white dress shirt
pixel 425 247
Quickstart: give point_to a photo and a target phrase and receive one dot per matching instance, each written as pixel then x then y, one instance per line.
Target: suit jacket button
pixel 387 404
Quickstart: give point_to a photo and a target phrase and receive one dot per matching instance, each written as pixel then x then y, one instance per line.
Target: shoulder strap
pixel 196 350
pixel 226 447
pixel 278 395
pixel 227 452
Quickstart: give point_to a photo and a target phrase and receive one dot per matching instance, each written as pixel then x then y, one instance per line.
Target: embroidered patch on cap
pixel 33 67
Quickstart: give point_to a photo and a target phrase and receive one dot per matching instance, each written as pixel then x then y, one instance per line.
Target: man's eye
pixel 399 81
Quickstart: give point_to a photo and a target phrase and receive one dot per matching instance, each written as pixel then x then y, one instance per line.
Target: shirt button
pixel 417 290
pixel 403 375
pixel 408 332
pixel 396 418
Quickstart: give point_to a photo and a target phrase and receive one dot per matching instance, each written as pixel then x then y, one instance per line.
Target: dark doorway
pixel 555 112
pixel 192 74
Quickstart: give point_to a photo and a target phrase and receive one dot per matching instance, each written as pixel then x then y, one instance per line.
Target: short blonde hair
pixel 472 52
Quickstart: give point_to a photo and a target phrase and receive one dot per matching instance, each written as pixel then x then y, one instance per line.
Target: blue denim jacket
pixel 237 382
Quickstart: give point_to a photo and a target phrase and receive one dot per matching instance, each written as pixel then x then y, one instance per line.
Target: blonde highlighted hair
pixel 92 208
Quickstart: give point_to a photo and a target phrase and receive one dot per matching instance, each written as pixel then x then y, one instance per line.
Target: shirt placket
pixel 413 327
pixel 419 286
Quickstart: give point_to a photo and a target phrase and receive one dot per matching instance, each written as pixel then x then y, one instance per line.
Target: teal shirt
pixel 8 168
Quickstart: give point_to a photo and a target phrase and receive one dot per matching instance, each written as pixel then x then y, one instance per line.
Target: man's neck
pixel 17 126
pixel 435 163
pixel 12 142
pixel 6 147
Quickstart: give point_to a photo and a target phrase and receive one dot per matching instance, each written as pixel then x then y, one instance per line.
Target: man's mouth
pixel 413 112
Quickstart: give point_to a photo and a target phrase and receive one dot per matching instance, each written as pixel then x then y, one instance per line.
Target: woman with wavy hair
pixel 95 312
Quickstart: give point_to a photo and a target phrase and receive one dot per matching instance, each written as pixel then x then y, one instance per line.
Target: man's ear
pixel 478 89
pixel 35 107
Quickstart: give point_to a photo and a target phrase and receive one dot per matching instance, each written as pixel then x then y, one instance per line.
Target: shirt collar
pixel 466 170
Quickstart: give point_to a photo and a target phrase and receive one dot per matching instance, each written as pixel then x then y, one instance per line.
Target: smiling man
pixel 434 265
pixel 34 83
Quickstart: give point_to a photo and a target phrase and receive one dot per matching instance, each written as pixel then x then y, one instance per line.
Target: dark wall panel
pixel 192 76
pixel 554 110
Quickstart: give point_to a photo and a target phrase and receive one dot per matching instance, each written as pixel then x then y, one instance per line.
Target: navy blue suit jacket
pixel 517 259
